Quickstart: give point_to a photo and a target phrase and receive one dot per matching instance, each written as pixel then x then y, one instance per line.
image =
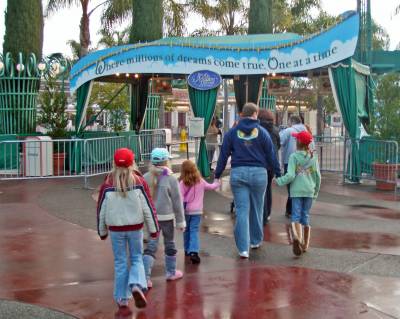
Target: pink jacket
pixel 194 195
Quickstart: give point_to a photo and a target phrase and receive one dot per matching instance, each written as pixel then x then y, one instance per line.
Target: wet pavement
pixel 51 257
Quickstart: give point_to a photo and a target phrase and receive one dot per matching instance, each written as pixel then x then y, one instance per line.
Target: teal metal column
pixel 19 88
pixel 267 101
pixel 364 46
pixel 19 84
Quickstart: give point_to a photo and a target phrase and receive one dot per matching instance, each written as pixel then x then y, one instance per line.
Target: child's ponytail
pixel 122 179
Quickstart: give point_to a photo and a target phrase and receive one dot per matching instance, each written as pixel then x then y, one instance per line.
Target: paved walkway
pixel 54 266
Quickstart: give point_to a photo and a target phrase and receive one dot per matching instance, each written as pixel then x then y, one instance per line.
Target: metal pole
pixel 196 149
pixel 344 157
pixel 247 88
pixel 226 113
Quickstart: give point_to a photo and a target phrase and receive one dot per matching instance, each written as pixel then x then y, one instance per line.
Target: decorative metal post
pixel 19 88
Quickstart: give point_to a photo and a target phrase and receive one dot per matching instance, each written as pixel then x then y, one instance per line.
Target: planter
pixel 58 164
pixel 385 176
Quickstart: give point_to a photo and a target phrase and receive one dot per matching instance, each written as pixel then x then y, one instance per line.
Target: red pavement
pixel 52 263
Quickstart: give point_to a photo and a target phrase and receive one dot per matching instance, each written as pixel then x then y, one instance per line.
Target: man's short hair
pixel 295 119
pixel 249 109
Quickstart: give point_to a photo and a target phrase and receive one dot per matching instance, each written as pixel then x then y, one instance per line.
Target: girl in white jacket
pixel 123 207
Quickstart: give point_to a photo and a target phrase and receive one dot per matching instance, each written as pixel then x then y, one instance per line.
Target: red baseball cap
pixel 124 157
pixel 303 137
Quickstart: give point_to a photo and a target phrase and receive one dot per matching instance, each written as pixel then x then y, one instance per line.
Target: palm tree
pixel 174 15
pixel 84 34
pixel 75 47
pixel 113 38
pixel 24 27
pixel 231 15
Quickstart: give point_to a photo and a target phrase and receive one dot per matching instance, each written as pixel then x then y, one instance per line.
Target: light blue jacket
pixel 288 142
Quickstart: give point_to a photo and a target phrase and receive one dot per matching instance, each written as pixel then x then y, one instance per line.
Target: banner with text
pixel 330 46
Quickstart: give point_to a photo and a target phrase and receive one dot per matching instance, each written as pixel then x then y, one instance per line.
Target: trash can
pixel 37 156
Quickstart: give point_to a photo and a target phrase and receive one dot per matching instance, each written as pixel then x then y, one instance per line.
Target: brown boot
pixel 297 239
pixel 307 235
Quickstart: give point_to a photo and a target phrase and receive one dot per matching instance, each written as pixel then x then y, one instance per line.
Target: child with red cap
pixel 123 207
pixel 305 179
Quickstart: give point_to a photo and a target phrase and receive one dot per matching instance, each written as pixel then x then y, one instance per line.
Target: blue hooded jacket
pixel 249 144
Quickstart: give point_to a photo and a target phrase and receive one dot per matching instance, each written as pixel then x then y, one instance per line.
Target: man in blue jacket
pixel 252 153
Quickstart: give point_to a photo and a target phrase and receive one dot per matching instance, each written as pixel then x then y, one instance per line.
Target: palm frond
pixel 397 10
pixel 55 5
pixel 174 18
pixel 75 48
pixel 116 12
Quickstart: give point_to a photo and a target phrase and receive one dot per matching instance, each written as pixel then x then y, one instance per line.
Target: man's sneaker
pixel 138 296
pixel 195 258
pixel 178 275
pixel 244 254
pixel 256 246
pixel 149 284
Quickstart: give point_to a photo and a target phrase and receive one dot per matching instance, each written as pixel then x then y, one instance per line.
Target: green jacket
pixel 303 175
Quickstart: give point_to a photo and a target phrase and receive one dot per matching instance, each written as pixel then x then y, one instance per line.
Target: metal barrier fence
pixel 40 157
pixel 377 159
pixel 331 153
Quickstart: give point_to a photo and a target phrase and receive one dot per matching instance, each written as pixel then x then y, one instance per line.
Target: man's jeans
pixel 125 277
pixel 191 235
pixel 301 210
pixel 248 186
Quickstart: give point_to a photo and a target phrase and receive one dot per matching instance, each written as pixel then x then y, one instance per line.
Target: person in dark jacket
pixel 252 153
pixel 266 118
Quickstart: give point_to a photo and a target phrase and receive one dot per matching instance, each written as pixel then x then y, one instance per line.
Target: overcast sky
pixel 64 25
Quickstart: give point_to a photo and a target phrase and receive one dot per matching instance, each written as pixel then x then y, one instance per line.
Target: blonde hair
pixel 154 173
pixel 122 178
pixel 190 175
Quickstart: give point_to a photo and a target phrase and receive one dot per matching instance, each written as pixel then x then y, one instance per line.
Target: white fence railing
pixel 40 157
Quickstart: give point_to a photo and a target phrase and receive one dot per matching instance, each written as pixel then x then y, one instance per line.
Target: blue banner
pixel 188 55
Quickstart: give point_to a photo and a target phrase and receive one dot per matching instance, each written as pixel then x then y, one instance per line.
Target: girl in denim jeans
pixel 192 189
pixel 124 205
pixel 305 179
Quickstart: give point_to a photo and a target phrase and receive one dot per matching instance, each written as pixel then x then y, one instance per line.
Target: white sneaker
pixel 244 254
pixel 256 246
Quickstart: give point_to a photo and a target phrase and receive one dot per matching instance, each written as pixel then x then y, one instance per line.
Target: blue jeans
pixel 124 276
pixel 248 186
pixel 301 209
pixel 191 234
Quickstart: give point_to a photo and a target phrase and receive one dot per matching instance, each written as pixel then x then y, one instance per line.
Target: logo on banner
pixel 204 80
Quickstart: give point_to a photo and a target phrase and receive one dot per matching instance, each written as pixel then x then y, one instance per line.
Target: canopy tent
pixel 229 56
